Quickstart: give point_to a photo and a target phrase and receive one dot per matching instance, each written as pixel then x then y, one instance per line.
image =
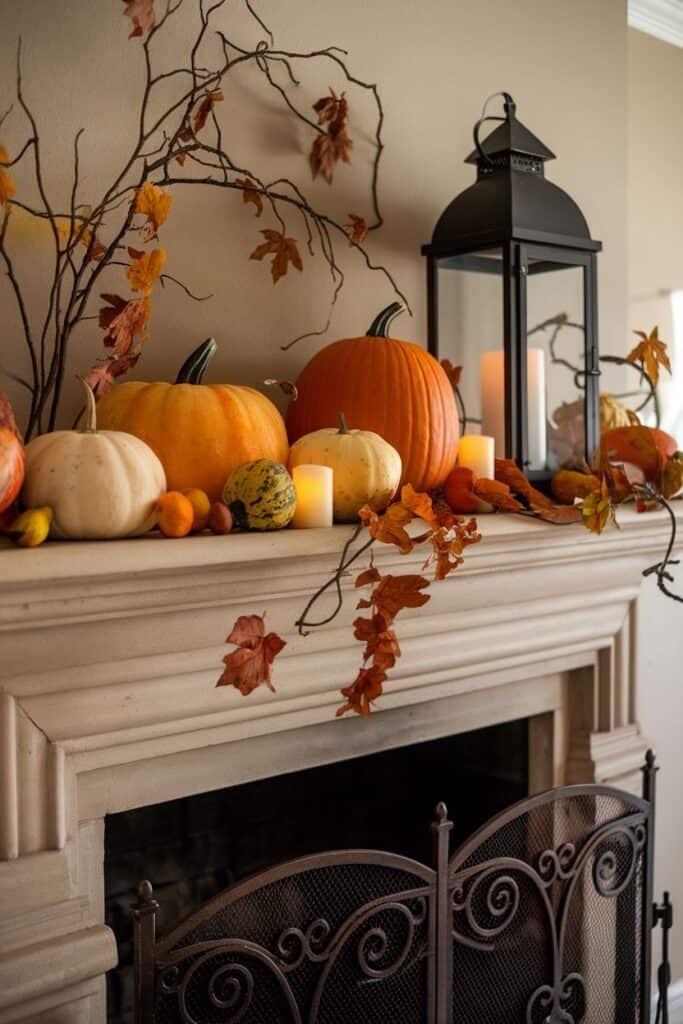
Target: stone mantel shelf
pixel 99 563
pixel 110 653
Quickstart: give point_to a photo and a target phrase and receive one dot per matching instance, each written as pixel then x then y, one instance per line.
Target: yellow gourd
pixel 366 468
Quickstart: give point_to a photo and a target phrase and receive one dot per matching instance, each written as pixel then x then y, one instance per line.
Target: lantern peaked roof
pixel 512 137
pixel 511 198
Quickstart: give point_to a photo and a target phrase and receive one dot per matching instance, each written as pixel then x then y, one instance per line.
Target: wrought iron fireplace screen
pixel 542 917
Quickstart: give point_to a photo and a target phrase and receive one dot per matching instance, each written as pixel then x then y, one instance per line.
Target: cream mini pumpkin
pixel 100 484
pixel 366 468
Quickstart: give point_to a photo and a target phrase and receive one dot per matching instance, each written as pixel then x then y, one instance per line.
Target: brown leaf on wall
pixel 333 144
pixel 250 194
pixel 141 13
pixel 283 250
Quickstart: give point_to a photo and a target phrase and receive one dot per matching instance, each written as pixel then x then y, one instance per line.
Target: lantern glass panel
pixel 471 331
pixel 556 359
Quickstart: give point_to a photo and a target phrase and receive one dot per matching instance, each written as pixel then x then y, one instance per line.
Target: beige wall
pixel 655 251
pixel 434 60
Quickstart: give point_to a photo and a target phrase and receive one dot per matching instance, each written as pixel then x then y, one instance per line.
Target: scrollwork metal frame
pixel 443 908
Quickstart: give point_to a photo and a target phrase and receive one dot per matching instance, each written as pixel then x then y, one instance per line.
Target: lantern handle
pixel 510 108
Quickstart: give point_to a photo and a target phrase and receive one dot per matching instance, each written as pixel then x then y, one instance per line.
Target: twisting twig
pixel 660 570
pixel 166 136
pixel 345 561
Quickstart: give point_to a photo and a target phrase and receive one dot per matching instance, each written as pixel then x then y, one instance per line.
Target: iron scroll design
pixel 230 985
pixel 485 899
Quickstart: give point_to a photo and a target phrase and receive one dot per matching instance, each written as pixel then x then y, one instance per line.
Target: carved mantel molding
pixel 107 701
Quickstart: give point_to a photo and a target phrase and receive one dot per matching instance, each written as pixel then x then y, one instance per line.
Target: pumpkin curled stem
pixel 90 411
pixel 380 325
pixel 192 370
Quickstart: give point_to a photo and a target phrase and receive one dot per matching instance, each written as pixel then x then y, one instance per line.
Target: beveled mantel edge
pixel 60 562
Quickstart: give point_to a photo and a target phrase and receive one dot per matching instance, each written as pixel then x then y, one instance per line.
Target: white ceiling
pixel 660 18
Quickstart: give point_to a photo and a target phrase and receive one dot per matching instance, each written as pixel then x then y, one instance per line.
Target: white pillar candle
pixel 476 452
pixel 314 485
pixel 537 424
pixel 492 368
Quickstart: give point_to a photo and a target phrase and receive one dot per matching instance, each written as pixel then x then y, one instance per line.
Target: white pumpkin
pixel 99 484
pixel 367 469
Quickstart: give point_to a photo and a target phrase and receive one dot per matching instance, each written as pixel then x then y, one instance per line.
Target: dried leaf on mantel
pixel 249 666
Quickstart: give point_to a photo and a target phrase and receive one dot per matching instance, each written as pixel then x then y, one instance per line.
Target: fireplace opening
pixel 193 847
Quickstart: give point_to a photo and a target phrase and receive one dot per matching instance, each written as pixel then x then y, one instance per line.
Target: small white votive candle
pixel 476 452
pixel 314 485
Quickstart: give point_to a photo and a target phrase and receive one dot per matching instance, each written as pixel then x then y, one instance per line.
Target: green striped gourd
pixel 260 495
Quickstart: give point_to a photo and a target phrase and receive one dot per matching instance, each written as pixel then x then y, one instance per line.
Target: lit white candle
pixel 314 487
pixel 476 452
pixel 492 370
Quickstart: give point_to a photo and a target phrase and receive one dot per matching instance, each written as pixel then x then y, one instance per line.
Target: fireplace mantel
pixel 110 653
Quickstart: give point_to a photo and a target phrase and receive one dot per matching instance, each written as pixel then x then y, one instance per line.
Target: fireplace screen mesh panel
pixel 538 918
pixel 338 939
pixel 546 906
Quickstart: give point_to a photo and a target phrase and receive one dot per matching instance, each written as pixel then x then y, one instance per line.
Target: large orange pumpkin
pixel 392 387
pixel 11 455
pixel 200 432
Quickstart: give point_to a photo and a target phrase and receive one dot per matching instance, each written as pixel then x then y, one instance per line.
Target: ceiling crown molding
pixel 660 18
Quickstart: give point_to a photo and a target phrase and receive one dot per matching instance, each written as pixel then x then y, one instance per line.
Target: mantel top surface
pixel 62 560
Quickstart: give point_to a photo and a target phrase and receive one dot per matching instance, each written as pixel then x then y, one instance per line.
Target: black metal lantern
pixel 512 298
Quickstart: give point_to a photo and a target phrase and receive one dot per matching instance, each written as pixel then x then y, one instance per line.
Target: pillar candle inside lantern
pixel 493 403
pixel 313 486
pixel 476 452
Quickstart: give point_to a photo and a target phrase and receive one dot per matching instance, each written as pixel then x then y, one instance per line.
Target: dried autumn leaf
pixel 496 493
pixel 283 250
pixel 419 503
pixel 559 515
pixel 251 194
pixel 393 593
pixel 508 472
pixel 366 688
pixel 370 575
pixel 356 229
pixel 333 144
pixel 250 665
pixel 102 377
pixel 7 186
pixel 671 480
pixel 145 269
pixel 650 353
pixel 124 322
pixel 454 373
pixel 636 445
pixel 597 510
pixel 141 13
pixel 154 204
pixel 389 527
pixel 381 643
pixel 206 105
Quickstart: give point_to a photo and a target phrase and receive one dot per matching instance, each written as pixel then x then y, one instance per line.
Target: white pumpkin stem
pixel 90 412
pixel 343 429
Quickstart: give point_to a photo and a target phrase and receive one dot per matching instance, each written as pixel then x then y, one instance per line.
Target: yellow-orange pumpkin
pixel 394 388
pixel 201 432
